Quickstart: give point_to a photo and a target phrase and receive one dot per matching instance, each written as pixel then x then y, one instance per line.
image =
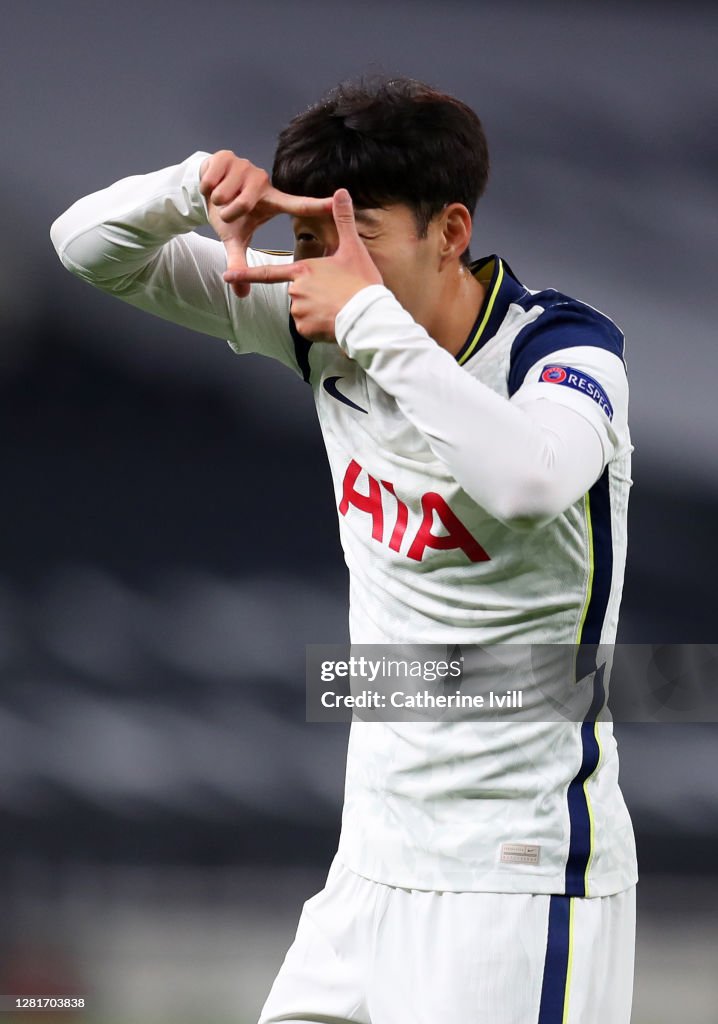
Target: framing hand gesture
pixel 240 197
pixel 319 288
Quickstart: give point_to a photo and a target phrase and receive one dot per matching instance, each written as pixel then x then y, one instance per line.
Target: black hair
pixel 386 140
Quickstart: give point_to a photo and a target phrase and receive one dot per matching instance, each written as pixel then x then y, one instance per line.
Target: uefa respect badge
pixel 570 377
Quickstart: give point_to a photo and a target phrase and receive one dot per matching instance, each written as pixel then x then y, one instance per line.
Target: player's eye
pixel 305 236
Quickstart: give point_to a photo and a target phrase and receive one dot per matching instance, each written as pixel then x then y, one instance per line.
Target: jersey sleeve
pixel 137 240
pixel 523 464
pixel 573 356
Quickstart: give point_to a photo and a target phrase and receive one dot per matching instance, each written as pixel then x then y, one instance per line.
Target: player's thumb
pixel 236 251
pixel 343 213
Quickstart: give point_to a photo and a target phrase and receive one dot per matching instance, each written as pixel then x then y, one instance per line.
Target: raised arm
pixel 524 460
pixel 136 240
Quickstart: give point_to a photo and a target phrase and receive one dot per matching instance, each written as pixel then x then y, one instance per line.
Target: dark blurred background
pixel 169 542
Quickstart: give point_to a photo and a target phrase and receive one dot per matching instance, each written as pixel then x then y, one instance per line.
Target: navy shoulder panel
pixel 564 323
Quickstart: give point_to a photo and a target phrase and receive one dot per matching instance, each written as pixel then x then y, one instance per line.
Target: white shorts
pixel 368 953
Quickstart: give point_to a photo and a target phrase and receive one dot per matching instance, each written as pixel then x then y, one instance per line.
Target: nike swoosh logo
pixel 330 386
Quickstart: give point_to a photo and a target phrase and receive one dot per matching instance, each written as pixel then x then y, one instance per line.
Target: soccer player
pixel 478 441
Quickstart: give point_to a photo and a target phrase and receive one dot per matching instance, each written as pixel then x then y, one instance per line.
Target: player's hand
pixel 319 288
pixel 240 197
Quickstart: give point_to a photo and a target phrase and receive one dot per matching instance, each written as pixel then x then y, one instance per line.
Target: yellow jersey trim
pixel 485 318
pixel 584 612
pixel 589 808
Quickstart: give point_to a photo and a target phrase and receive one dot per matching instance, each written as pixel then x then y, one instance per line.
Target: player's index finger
pixel 271 273
pixel 301 206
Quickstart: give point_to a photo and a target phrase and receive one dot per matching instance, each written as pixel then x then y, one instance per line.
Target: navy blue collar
pixel 502 288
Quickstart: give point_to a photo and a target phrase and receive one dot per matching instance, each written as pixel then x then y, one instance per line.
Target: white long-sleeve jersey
pixel 482 500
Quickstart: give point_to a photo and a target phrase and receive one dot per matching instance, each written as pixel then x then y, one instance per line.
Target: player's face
pixel 408 264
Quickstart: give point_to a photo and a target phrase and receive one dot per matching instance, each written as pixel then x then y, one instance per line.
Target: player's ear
pixel 455 232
